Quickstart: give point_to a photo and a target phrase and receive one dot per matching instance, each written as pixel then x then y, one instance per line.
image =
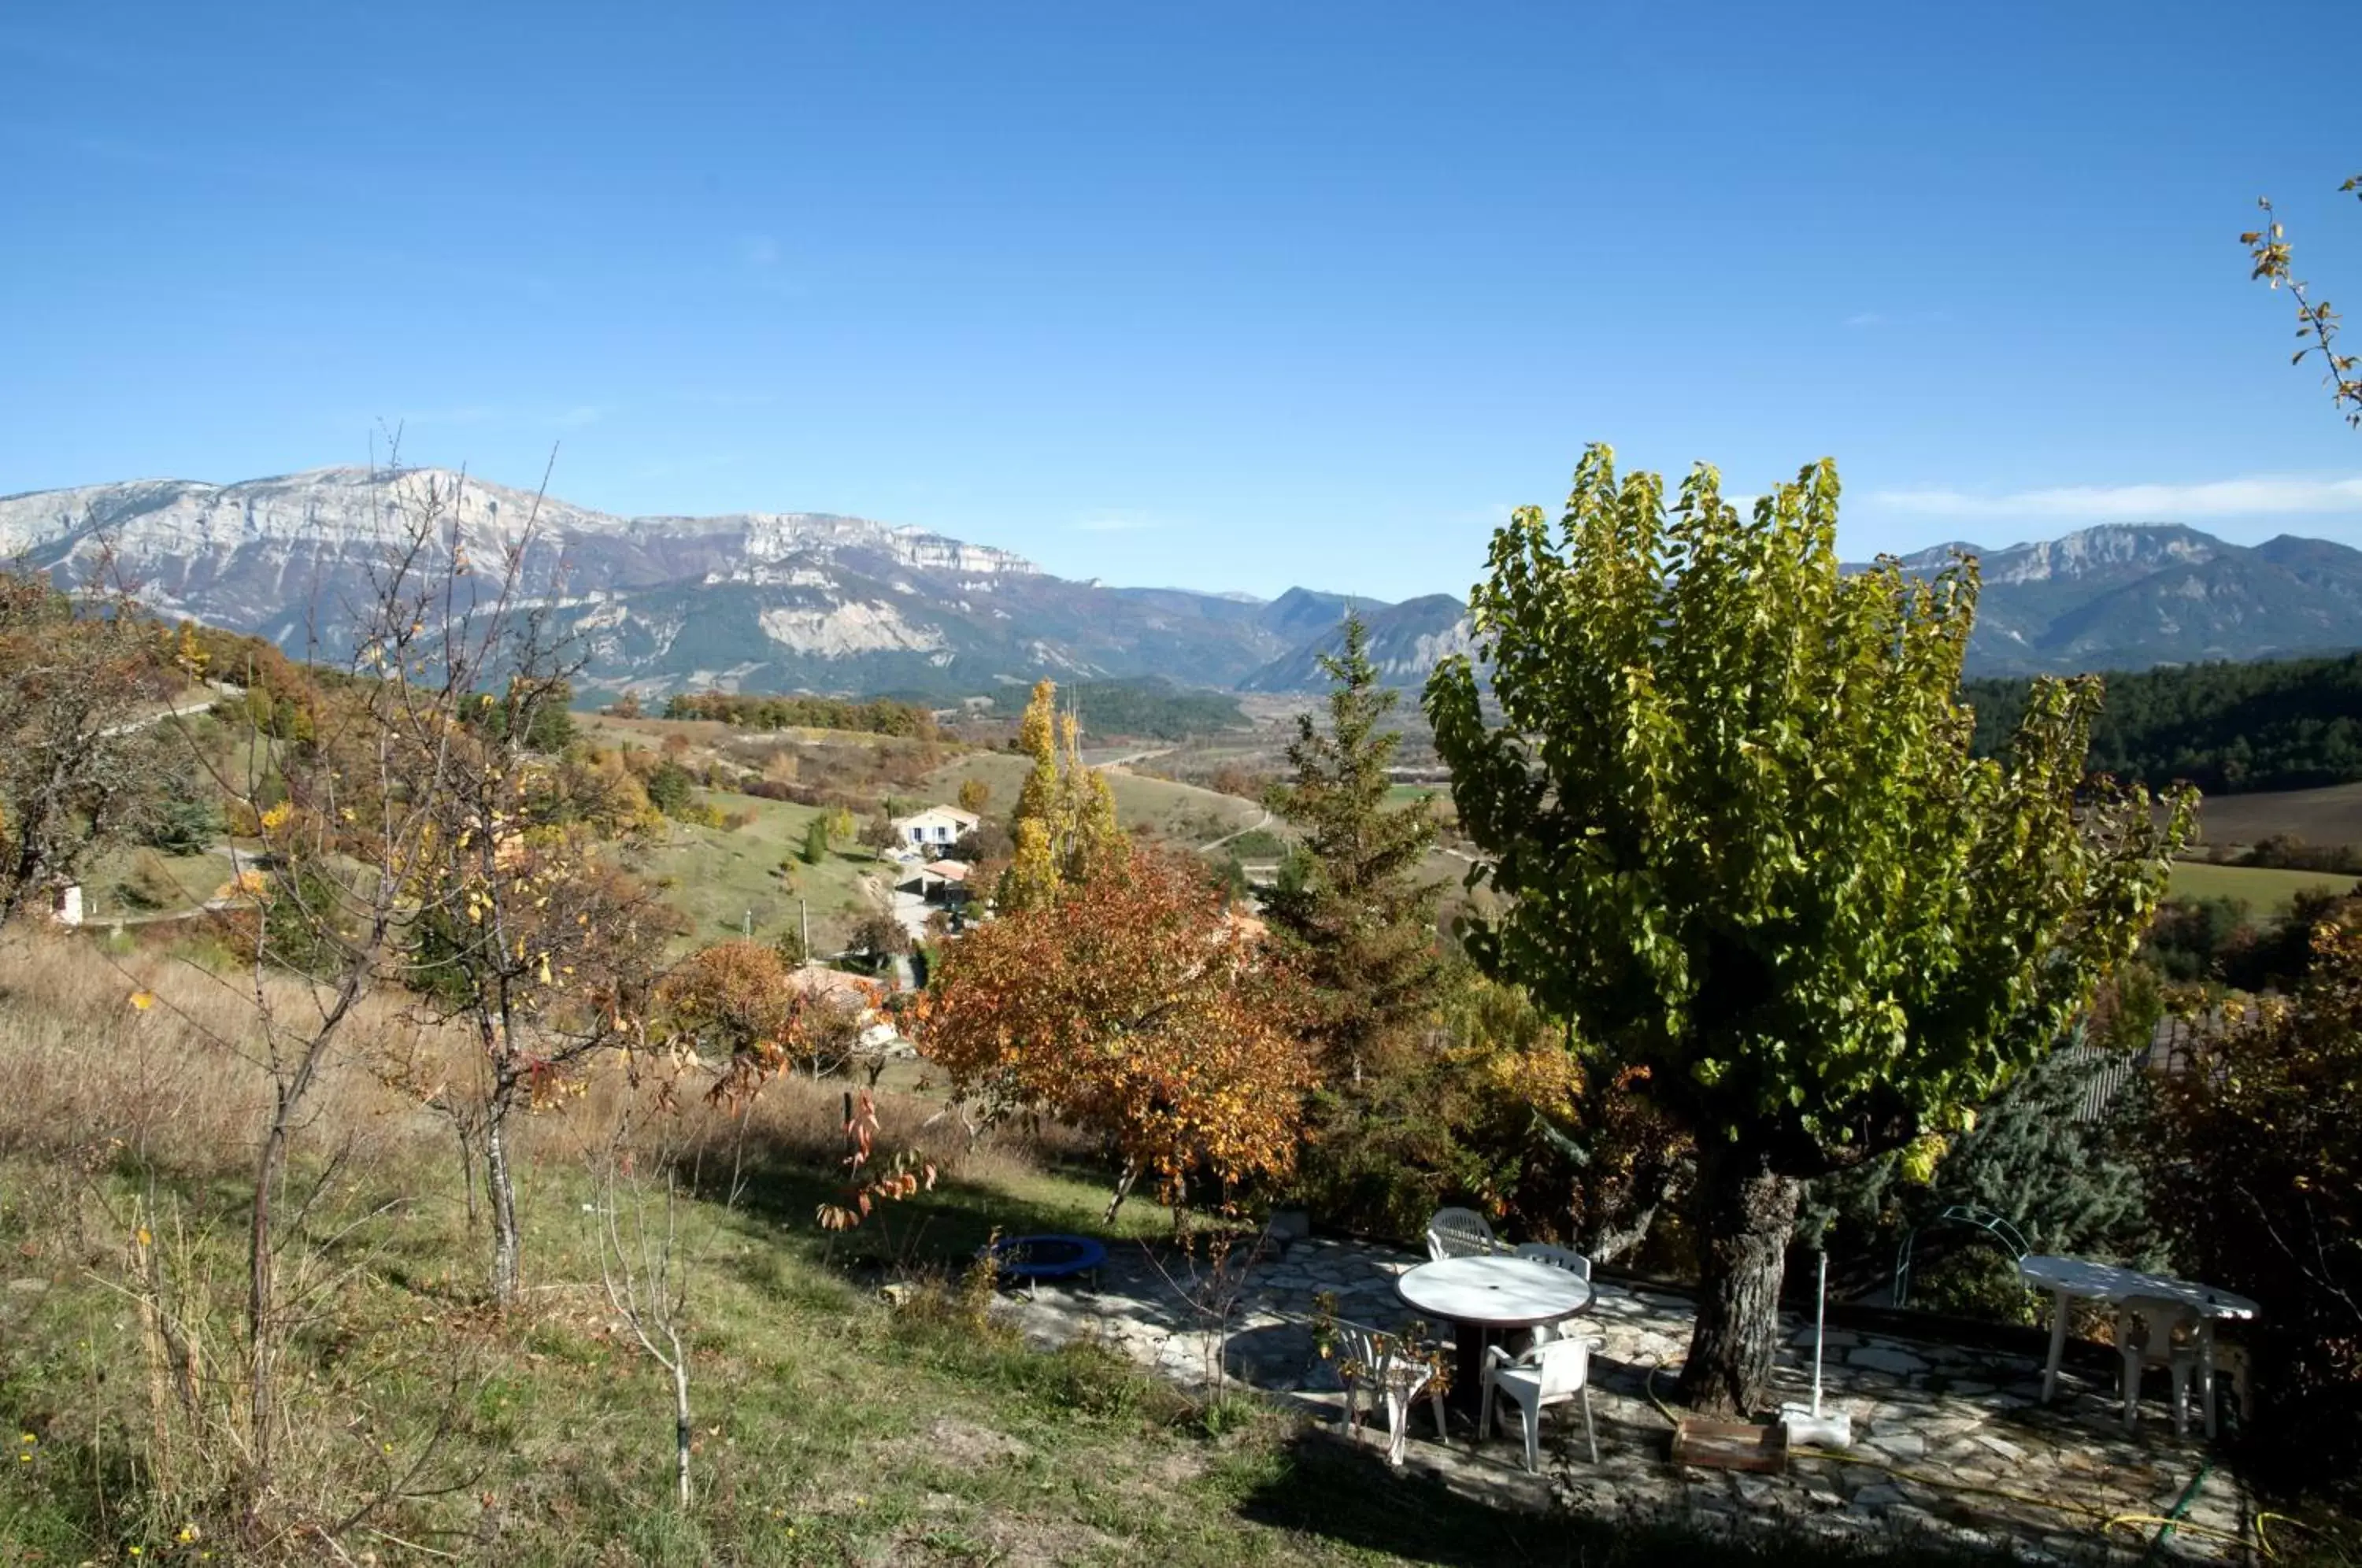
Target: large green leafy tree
pixel 1744 845
pixel 1359 913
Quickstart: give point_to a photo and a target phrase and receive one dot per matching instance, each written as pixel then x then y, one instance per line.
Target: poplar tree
pixel 1064 826
pixel 1742 844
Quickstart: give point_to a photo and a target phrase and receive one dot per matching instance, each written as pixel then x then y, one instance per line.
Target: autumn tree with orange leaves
pixel 733 1004
pixel 1133 1006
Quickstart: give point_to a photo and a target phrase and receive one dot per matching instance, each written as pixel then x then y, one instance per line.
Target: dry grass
pixel 126 1140
pixel 2327 816
pixel 178 1083
pixel 178 1087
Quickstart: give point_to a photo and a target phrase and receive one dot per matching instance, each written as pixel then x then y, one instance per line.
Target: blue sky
pixel 1228 297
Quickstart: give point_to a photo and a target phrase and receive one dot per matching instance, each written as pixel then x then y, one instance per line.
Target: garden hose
pixel 2264 1539
pixel 2180 1506
pixel 2136 1522
pixel 1663 1408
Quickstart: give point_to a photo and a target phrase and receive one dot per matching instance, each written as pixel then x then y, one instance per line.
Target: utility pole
pixel 803 909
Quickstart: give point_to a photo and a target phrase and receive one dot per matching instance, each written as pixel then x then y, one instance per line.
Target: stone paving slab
pixel 1946 1439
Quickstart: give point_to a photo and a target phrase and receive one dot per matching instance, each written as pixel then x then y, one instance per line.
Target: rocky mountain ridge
pixel 2133 595
pixel 823 603
pixel 785 601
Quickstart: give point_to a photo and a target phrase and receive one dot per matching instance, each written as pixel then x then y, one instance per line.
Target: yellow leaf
pixel 143 1000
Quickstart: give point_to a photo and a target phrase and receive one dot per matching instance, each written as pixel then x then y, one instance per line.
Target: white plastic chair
pixel 1552 1373
pixel 1392 1375
pixel 1567 1258
pixel 1575 1262
pixel 1460 1233
pixel 2159 1331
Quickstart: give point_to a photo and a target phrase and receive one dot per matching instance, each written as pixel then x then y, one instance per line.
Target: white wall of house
pixel 936 827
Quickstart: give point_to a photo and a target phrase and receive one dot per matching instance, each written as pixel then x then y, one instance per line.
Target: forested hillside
pixel 1152 708
pixel 2284 725
pixel 756 711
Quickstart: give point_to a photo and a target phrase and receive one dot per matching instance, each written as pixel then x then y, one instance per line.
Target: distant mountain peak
pixel 1406 641
pixel 2104 549
pixel 820 601
pixel 1935 558
pixel 782 600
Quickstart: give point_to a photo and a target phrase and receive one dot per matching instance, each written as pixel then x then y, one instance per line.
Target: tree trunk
pixel 466 1170
pixel 1607 1241
pixel 499 1189
pixel 680 1430
pixel 1745 1212
pixel 262 1297
pixel 1122 1190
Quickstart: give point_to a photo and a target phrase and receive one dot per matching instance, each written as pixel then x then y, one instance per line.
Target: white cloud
pixel 2261 495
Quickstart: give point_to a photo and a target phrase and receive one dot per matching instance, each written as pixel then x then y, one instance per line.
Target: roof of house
pixel 966 819
pixel 820 983
pixel 949 870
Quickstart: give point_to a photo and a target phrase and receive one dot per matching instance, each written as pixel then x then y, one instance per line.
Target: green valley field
pixel 2266 890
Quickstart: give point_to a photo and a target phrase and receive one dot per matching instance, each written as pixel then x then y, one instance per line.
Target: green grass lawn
pixel 716 876
pixel 2268 892
pixel 194 878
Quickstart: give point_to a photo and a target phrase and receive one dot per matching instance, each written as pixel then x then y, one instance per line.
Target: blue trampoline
pixel 1030 1259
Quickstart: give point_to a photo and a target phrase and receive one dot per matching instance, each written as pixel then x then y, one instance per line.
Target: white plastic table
pixel 2065 1278
pixel 1481 1296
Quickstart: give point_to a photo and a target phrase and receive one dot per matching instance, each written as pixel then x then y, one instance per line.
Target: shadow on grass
pixel 937 1231
pixel 1318 1485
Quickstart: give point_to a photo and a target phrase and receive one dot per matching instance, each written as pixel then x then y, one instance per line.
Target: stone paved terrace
pixel 1946 1439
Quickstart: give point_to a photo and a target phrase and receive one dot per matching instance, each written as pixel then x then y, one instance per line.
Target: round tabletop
pixel 1496 1292
pixel 2106 1282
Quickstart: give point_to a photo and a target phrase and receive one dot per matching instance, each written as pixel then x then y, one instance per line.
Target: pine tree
pixel 2062 1172
pixel 1357 908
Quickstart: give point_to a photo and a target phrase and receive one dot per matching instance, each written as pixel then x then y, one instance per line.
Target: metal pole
pixel 1820 1331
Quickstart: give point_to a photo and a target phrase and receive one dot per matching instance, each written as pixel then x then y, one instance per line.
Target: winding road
pixel 1209 848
